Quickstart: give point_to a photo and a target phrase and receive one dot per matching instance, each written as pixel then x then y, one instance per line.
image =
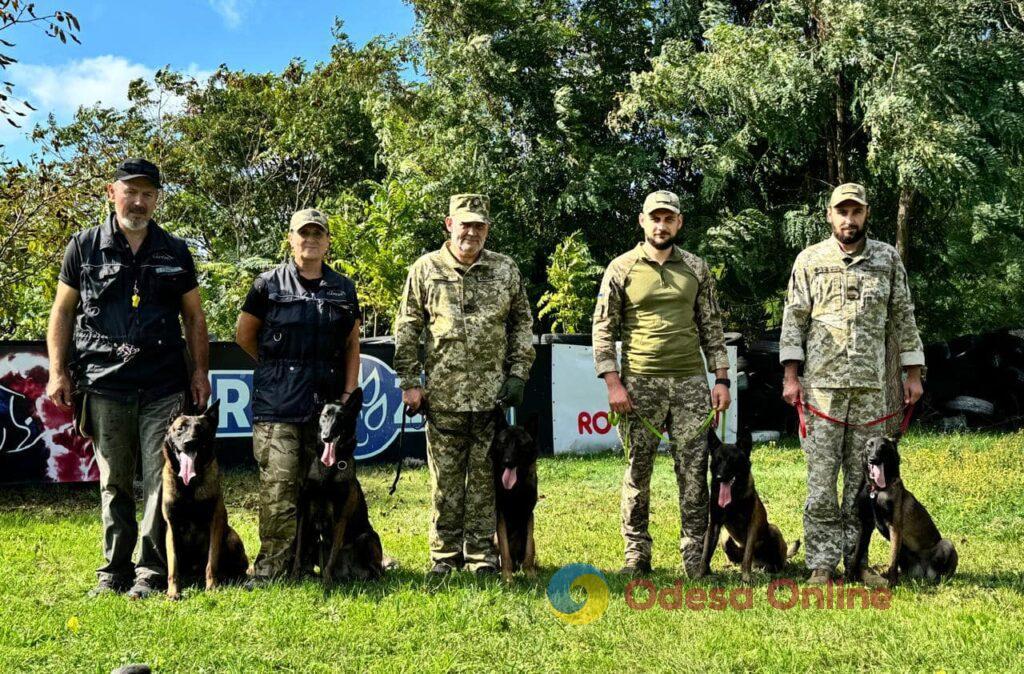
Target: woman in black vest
pixel 300 322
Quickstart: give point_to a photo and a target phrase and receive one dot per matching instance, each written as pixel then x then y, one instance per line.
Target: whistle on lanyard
pixel 135 297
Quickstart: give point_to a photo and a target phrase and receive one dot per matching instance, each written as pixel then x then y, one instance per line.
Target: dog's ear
pixel 212 414
pixel 714 444
pixel 745 442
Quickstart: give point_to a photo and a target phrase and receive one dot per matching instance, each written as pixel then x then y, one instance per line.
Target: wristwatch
pixel 723 381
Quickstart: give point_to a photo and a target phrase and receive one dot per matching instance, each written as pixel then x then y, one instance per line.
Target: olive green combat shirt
pixel 663 313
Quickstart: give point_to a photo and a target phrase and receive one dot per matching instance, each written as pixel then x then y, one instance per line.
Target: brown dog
pixel 885 503
pixel 514 460
pixel 199 540
pixel 736 505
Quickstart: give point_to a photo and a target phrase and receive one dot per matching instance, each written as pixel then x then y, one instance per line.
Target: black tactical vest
pixel 122 349
pixel 302 345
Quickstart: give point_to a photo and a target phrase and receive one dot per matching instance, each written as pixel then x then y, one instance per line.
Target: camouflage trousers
pixel 284 452
pixel 830 526
pixel 463 520
pixel 681 405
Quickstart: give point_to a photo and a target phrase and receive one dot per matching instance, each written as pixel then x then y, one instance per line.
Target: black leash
pixel 406 412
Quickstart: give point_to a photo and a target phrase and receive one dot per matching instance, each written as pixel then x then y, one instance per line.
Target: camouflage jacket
pixel 476 325
pixel 838 310
pixel 613 302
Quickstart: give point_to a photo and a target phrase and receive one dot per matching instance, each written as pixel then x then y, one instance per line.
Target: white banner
pixel 579 402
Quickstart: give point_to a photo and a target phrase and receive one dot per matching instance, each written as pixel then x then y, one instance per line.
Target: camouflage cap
pixel 308 216
pixel 661 199
pixel 469 208
pixel 848 192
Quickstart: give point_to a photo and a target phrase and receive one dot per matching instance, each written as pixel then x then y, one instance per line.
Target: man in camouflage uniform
pixel 469 306
pixel 660 301
pixel 843 294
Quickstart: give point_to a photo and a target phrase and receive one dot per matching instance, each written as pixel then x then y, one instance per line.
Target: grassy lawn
pixel 50 546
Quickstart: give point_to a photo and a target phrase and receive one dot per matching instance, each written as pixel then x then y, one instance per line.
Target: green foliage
pixel 572 275
pixel 567 114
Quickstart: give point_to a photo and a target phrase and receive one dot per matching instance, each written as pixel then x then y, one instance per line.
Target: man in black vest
pixel 123 286
pixel 300 322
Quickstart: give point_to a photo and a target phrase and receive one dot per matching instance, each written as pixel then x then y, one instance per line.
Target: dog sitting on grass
pixel 199 540
pixel 334 530
pixel 514 459
pixel 736 505
pixel 885 503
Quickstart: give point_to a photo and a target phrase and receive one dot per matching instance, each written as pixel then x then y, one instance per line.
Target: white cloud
pixel 62 89
pixel 230 11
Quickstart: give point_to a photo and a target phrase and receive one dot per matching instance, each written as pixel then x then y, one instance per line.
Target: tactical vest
pixel 128 337
pixel 301 345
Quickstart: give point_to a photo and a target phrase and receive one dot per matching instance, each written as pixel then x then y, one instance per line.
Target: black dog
pixel 193 507
pixel 885 503
pixel 334 530
pixel 736 505
pixel 514 460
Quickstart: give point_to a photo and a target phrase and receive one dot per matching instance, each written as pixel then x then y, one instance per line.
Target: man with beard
pixel 845 294
pixel 123 286
pixel 660 301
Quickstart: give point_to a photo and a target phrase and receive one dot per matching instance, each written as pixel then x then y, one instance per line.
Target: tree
pixel 60 24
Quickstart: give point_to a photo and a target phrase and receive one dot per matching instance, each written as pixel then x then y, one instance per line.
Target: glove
pixel 511 393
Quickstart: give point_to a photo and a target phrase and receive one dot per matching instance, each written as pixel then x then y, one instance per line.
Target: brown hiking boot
pixel 872 579
pixel 819 577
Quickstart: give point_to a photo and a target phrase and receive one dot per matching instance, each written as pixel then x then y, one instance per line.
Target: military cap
pixel 661 199
pixel 308 216
pixel 849 192
pixel 138 168
pixel 469 208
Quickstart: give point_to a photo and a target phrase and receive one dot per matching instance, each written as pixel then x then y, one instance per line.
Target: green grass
pixel 50 545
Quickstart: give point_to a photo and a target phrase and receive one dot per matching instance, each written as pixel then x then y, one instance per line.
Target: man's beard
pixel 847 239
pixel 662 245
pixel 133 221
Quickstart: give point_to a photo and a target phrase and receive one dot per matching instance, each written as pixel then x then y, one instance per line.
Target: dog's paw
pixel 173 595
pixel 747 578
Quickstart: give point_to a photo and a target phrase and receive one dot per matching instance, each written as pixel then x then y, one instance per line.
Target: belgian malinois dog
pixel 334 530
pixel 736 505
pixel 885 503
pixel 199 539
pixel 514 459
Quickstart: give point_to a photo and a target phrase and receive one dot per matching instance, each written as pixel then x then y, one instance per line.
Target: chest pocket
pixel 100 281
pixel 340 317
pixel 488 297
pixel 167 283
pixel 444 307
pixel 827 291
pixel 875 287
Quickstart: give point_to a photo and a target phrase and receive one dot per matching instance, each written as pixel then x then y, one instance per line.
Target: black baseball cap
pixel 138 168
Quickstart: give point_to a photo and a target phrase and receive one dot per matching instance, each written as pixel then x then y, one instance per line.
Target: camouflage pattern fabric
pixel 284 452
pixel 616 315
pixel 463 520
pixel 476 324
pixel 681 405
pixel 831 527
pixel 837 309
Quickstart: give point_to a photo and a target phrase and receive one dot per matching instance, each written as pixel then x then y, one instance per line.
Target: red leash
pixel 908 412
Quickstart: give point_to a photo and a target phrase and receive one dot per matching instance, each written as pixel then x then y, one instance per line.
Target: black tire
pixel 971 405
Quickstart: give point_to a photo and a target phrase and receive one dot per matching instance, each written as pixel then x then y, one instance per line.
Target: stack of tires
pixel 976 382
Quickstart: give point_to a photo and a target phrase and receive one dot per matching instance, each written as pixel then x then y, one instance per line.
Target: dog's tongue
pixel 724 494
pixel 877 473
pixel 186 468
pixel 508 478
pixel 327 457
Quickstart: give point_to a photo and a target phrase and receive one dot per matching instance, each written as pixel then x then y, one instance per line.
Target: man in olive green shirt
pixel 660 301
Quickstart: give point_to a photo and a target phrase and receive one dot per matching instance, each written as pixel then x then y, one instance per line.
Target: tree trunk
pixel 903 222
pixel 893 371
pixel 840 137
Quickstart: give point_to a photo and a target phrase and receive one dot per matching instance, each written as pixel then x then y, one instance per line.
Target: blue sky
pixel 122 41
